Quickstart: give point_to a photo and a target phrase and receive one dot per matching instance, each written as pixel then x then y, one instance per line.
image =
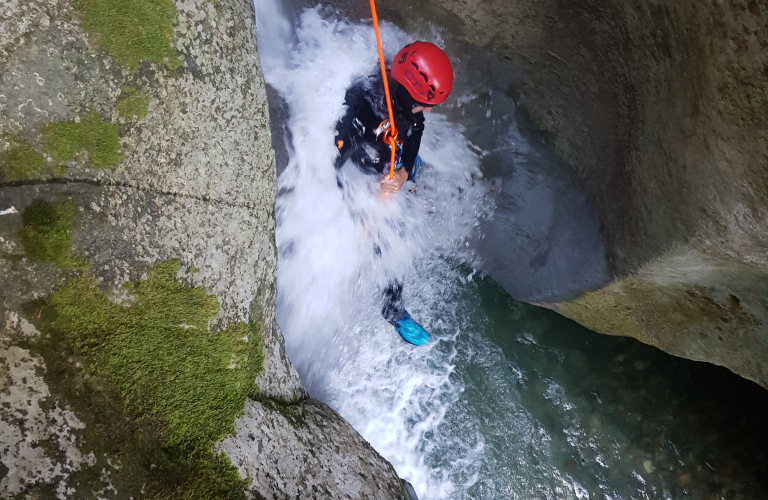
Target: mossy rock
pixel 64 140
pixel 20 162
pixel 132 31
pixel 132 104
pixel 155 389
pixel 293 411
pixel 45 233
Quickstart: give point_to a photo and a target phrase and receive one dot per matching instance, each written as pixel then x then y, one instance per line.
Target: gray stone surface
pixel 205 141
pixel 39 439
pixel 196 182
pixel 340 466
pixel 689 304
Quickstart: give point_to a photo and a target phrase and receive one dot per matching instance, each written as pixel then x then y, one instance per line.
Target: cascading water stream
pixel 488 409
pixel 339 248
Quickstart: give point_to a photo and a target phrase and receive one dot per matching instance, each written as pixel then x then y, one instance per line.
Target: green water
pixel 568 413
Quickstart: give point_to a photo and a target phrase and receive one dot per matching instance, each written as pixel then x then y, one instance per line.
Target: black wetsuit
pixel 356 132
pixel 358 137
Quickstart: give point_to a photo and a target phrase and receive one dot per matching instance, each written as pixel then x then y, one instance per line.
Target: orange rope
pixel 390 135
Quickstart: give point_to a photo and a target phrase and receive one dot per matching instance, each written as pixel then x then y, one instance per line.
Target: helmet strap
pixel 404 100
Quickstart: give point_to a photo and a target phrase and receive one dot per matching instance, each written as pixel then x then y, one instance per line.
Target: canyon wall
pixel 139 354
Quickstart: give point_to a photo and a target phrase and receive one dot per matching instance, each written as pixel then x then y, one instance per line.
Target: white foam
pixel 329 276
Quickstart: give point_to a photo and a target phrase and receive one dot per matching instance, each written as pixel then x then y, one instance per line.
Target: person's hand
pixel 393 185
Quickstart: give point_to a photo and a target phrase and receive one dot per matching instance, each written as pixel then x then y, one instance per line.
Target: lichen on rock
pixel 39 438
pixel 342 465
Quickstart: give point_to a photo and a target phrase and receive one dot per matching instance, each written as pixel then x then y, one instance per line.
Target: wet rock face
pixel 660 109
pixel 691 305
pixel 189 175
pixel 340 465
pixel 659 106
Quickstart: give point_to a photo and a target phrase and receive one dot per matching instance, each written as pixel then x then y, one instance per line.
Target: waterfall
pixel 339 248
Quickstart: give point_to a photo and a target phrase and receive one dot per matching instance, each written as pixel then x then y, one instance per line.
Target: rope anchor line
pixel 390 135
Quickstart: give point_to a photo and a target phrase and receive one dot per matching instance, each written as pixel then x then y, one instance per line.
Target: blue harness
pixel 399 162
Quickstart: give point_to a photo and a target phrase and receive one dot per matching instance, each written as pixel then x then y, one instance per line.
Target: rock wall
pixel 692 215
pixel 660 109
pixel 137 265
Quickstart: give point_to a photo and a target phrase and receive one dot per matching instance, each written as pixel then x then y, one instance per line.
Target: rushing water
pixel 507 400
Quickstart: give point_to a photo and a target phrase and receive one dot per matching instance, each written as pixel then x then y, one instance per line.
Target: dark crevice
pixel 119 184
pixel 293 410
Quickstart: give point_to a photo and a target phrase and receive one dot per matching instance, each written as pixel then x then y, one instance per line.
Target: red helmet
pixel 425 72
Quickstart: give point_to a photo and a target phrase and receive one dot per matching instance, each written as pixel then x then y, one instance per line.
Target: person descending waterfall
pixel 422 78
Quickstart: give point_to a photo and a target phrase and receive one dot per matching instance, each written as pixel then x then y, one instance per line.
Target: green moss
pixel 38 490
pixel 132 104
pixel 155 389
pixel 64 140
pixel 20 162
pixel 45 233
pixel 58 170
pixel 293 411
pixel 132 30
pixel 162 356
